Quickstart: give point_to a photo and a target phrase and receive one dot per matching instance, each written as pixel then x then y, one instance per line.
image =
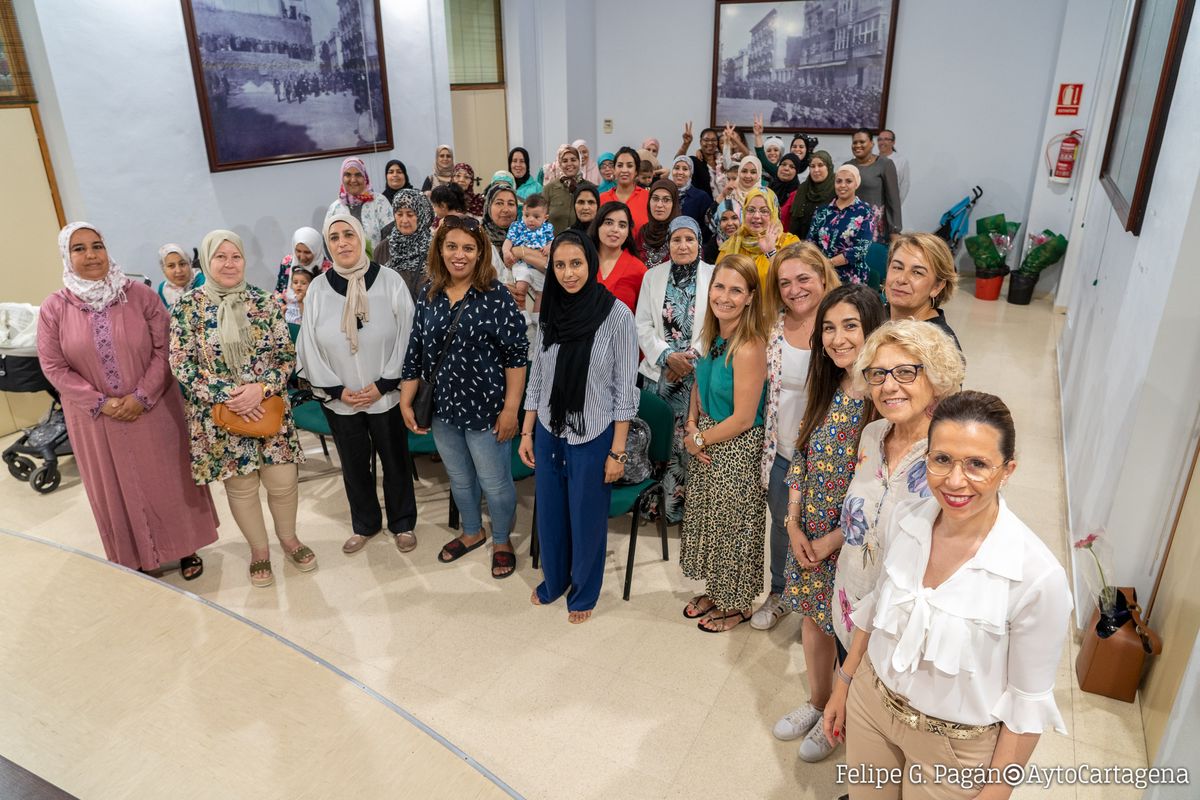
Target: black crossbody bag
pixel 423 402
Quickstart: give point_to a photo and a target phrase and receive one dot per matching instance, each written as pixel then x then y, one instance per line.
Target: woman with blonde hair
pixel 724 518
pixel 904 368
pixel 761 234
pixel 921 278
pixel 799 278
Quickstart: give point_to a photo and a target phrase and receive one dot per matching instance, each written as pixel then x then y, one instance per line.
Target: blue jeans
pixel 475 461
pixel 777 498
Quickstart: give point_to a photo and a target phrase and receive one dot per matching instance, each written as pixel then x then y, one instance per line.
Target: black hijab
pixel 783 189
pixel 388 191
pixel 571 321
pixel 528 165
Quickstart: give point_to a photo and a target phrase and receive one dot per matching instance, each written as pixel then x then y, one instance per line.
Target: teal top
pixel 714 381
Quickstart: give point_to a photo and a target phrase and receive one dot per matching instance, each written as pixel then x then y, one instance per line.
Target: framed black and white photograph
pixel 288 80
pixel 811 65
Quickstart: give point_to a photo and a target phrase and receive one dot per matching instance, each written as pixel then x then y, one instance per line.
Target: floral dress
pixel 845 231
pixel 873 495
pixel 678 314
pixel 822 473
pixel 197 363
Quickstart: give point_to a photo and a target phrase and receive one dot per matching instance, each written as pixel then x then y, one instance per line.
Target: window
pixel 473 34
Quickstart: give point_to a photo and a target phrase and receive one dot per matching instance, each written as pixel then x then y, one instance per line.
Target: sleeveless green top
pixel 714 381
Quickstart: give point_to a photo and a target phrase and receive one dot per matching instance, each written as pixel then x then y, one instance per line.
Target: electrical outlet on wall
pixel 608 126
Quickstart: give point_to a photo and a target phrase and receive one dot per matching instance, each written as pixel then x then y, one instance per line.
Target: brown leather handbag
pixel 1114 650
pixel 269 425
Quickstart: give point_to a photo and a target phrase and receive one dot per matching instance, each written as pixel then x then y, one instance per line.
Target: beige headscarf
pixel 233 322
pixel 357 307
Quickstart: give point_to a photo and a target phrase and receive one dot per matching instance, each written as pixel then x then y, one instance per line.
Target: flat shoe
pixel 261 566
pixel 406 541
pixel 456 549
pixel 355 543
pixel 742 615
pixel 712 607
pixel 191 562
pixel 502 559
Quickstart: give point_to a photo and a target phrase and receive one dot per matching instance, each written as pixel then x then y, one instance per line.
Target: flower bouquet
pixel 989 249
pixel 1045 249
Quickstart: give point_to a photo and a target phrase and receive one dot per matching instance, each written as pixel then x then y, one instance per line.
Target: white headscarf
pixel 97 295
pixel 357 306
pixel 170 291
pixel 310 238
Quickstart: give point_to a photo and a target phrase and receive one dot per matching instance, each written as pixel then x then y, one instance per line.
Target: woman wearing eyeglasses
pixel 905 367
pixel 957 644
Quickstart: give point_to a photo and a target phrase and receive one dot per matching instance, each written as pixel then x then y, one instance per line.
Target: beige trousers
pixel 281 484
pixel 893 759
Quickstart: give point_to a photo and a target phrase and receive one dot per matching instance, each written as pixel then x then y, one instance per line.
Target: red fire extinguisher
pixel 1068 148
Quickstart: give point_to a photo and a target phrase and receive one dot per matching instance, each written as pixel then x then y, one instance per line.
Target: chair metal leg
pixel 662 520
pixel 633 528
pixel 453 513
pixel 324 447
pixel 412 465
pixel 535 547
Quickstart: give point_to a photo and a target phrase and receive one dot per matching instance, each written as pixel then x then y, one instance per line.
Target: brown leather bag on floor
pixel 1113 666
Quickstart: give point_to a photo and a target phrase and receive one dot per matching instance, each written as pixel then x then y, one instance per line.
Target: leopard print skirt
pixel 725 519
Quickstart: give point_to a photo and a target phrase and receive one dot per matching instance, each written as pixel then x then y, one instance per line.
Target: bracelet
pixel 795 502
pixel 841 673
pixel 527 434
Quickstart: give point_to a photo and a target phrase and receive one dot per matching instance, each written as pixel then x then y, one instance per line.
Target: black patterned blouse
pixel 491 337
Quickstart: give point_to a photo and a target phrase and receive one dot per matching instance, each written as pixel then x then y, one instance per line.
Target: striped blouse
pixel 612 394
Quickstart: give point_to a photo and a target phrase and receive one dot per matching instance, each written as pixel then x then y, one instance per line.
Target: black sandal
pixel 191 562
pixel 502 559
pixel 699 613
pixel 742 617
pixel 455 549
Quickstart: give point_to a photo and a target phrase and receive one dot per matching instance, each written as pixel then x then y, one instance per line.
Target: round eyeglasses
pixel 975 469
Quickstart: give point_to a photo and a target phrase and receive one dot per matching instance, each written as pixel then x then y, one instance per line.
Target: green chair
pixel 630 499
pixel 422 444
pixel 307 414
pixel 877 255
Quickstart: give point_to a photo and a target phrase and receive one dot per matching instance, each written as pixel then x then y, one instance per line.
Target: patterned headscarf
pixel 745 241
pixel 728 204
pixel 474 200
pixel 408 252
pixel 494 232
pixel 501 176
pixel 687 161
pixel 233 322
pixel 358 199
pixel 357 309
pixel 98 295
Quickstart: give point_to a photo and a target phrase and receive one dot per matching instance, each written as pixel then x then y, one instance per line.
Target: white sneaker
pixel 769 613
pixel 797 723
pixel 815 746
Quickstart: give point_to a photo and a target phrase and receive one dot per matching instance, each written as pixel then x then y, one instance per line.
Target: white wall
pixel 1130 352
pixel 969 87
pixel 124 128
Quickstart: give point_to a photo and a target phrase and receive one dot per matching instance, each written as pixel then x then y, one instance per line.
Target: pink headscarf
pixel 357 199
pixel 652 141
pixel 588 170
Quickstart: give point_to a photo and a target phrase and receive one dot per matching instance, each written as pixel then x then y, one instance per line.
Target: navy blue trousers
pixel 572 516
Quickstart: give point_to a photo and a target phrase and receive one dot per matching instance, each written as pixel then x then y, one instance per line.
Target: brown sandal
pixel 742 617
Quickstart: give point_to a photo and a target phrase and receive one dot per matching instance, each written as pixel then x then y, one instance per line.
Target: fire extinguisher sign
pixel 1069 97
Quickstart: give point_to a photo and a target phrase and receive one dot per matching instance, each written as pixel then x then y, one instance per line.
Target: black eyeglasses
pixel 903 373
pixel 455 221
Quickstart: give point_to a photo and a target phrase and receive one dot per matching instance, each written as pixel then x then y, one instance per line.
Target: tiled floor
pixel 636 703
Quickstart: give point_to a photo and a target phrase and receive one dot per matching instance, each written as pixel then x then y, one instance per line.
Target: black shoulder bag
pixel 423 402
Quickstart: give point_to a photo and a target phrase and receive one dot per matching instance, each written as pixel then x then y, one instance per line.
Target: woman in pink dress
pixel 102 342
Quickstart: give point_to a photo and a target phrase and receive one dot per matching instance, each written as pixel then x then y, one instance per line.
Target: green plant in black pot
pixel 1045 249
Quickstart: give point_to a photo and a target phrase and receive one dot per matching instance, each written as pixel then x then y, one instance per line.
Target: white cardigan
pixel 323 351
pixel 652 337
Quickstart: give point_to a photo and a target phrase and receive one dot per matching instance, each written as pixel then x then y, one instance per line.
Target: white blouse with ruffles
pixel 982 647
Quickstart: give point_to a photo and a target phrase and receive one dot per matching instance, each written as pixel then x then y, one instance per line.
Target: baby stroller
pixel 956 223
pixel 21 372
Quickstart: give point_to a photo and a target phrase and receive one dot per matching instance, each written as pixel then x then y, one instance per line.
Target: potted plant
pixel 989 250
pixel 1045 249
